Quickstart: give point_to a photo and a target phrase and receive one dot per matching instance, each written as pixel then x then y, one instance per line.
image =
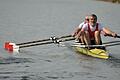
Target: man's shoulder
pixel 81 24
pixel 86 24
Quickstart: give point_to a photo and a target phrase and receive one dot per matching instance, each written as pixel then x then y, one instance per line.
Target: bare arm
pixel 76 31
pixel 108 32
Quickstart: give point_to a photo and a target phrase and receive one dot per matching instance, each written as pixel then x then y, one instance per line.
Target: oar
pixel 42 40
pixel 17 47
pixel 117 36
pixel 84 46
pixel 56 41
pixel 7 44
pixel 108 45
pixel 111 42
pixel 105 45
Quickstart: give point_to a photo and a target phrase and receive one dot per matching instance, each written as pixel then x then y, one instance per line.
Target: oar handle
pixel 112 36
pixel 118 36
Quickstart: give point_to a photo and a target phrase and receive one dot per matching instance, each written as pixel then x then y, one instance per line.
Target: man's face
pixel 87 19
pixel 92 20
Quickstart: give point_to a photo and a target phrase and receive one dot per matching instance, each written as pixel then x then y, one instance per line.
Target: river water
pixel 27 20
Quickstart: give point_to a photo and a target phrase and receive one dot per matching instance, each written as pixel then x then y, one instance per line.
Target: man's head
pixel 93 18
pixel 87 18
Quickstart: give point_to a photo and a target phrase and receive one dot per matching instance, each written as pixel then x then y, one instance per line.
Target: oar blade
pixel 6 45
pixel 11 47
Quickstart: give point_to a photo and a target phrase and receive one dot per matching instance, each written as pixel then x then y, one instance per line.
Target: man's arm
pixel 77 29
pixel 108 32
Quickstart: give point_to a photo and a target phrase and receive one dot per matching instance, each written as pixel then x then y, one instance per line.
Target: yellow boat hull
pixel 98 53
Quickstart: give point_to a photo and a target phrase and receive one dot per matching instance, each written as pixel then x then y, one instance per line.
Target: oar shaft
pixel 50 42
pixel 67 39
pixel 108 45
pixel 42 40
pixel 84 46
pixel 111 42
pixel 35 44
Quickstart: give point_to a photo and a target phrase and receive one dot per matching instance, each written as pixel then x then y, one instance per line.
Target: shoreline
pixel 112 1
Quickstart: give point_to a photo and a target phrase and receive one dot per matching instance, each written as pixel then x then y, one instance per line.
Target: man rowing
pixel 77 31
pixel 92 31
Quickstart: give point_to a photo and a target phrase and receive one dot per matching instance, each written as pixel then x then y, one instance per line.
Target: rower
pixel 92 31
pixel 77 31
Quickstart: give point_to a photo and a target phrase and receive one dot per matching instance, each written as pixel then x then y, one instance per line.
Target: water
pixel 27 20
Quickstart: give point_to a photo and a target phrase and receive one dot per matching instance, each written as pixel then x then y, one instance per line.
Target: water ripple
pixel 11 60
pixel 114 62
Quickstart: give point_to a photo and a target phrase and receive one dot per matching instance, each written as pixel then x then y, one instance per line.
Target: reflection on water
pixel 114 62
pixel 11 60
pixel 9 68
pixel 43 75
pixel 7 75
pixel 51 75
